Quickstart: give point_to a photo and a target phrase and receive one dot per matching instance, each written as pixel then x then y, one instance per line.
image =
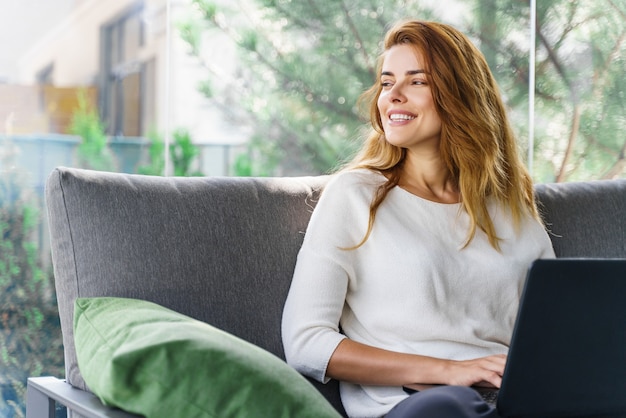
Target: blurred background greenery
pixel 306 62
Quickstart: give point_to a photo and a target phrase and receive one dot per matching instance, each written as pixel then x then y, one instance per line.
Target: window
pixel 123 90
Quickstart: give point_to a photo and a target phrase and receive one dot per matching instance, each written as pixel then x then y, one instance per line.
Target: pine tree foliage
pixel 305 63
pixel 580 86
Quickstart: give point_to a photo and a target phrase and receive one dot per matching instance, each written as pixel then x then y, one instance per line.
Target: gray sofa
pixel 222 250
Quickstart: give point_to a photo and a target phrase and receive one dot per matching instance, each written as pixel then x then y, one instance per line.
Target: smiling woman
pixel 450 229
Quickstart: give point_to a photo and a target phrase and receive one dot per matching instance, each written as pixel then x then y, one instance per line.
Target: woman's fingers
pixel 481 371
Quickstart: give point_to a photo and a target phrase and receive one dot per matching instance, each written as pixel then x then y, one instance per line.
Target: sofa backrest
pixel 222 250
pixel 585 219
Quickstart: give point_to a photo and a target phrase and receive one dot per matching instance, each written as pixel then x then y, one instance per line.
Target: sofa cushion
pixel 149 360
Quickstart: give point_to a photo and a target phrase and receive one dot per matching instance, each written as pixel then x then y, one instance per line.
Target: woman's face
pixel 406 105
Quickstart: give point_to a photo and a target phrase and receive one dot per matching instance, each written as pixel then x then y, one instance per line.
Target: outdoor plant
pixel 93 152
pixel 156 156
pixel 182 153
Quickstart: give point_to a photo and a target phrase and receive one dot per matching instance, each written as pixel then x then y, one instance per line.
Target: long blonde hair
pixel 477 143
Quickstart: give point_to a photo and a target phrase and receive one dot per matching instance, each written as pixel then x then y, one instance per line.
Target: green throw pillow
pixel 152 361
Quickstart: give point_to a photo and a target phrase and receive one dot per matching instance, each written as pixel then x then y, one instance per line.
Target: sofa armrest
pixel 43 392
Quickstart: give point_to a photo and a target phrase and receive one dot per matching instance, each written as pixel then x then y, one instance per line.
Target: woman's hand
pixel 484 371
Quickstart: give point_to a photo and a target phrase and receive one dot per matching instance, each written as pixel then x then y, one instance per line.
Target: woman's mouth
pixel 400 116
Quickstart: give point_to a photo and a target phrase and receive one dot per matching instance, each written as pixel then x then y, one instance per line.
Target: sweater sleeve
pixel 310 324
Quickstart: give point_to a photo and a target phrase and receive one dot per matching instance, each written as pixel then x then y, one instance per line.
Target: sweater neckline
pixel 425 200
pixel 417 197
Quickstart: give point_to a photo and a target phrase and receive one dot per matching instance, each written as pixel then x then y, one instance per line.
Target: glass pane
pixel 133 34
pixel 113 36
pixel 148 94
pixel 131 103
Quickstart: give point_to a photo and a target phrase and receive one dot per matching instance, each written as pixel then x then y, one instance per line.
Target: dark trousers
pixel 444 402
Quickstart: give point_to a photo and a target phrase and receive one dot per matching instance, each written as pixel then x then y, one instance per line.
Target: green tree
pixel 580 86
pixel 304 64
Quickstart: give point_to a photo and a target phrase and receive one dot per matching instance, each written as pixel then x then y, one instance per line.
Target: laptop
pixel 568 349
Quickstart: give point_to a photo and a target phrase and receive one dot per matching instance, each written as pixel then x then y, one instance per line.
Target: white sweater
pixel 410 288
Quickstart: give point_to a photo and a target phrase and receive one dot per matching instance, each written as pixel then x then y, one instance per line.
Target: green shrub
pixel 30 333
pixel 182 155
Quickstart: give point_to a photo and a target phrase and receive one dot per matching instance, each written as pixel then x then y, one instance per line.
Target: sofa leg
pixel 38 404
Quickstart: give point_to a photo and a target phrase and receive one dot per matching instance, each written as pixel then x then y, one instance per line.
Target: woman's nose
pixel 396 94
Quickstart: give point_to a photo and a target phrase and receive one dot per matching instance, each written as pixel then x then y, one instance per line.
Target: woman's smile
pixel 400 116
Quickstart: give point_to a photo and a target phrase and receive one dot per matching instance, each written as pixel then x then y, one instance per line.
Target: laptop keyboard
pixel 489 396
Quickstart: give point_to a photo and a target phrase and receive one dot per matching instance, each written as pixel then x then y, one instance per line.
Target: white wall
pixel 23 22
pixel 72 46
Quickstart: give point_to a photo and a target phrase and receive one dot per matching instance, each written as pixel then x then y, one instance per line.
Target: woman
pixel 415 256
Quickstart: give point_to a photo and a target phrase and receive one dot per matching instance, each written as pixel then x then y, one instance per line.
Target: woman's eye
pixel 386 83
pixel 418 82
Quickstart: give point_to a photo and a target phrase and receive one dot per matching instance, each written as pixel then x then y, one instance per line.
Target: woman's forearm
pixel 366 365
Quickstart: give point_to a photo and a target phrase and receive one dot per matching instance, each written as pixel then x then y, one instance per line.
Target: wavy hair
pixel 477 143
